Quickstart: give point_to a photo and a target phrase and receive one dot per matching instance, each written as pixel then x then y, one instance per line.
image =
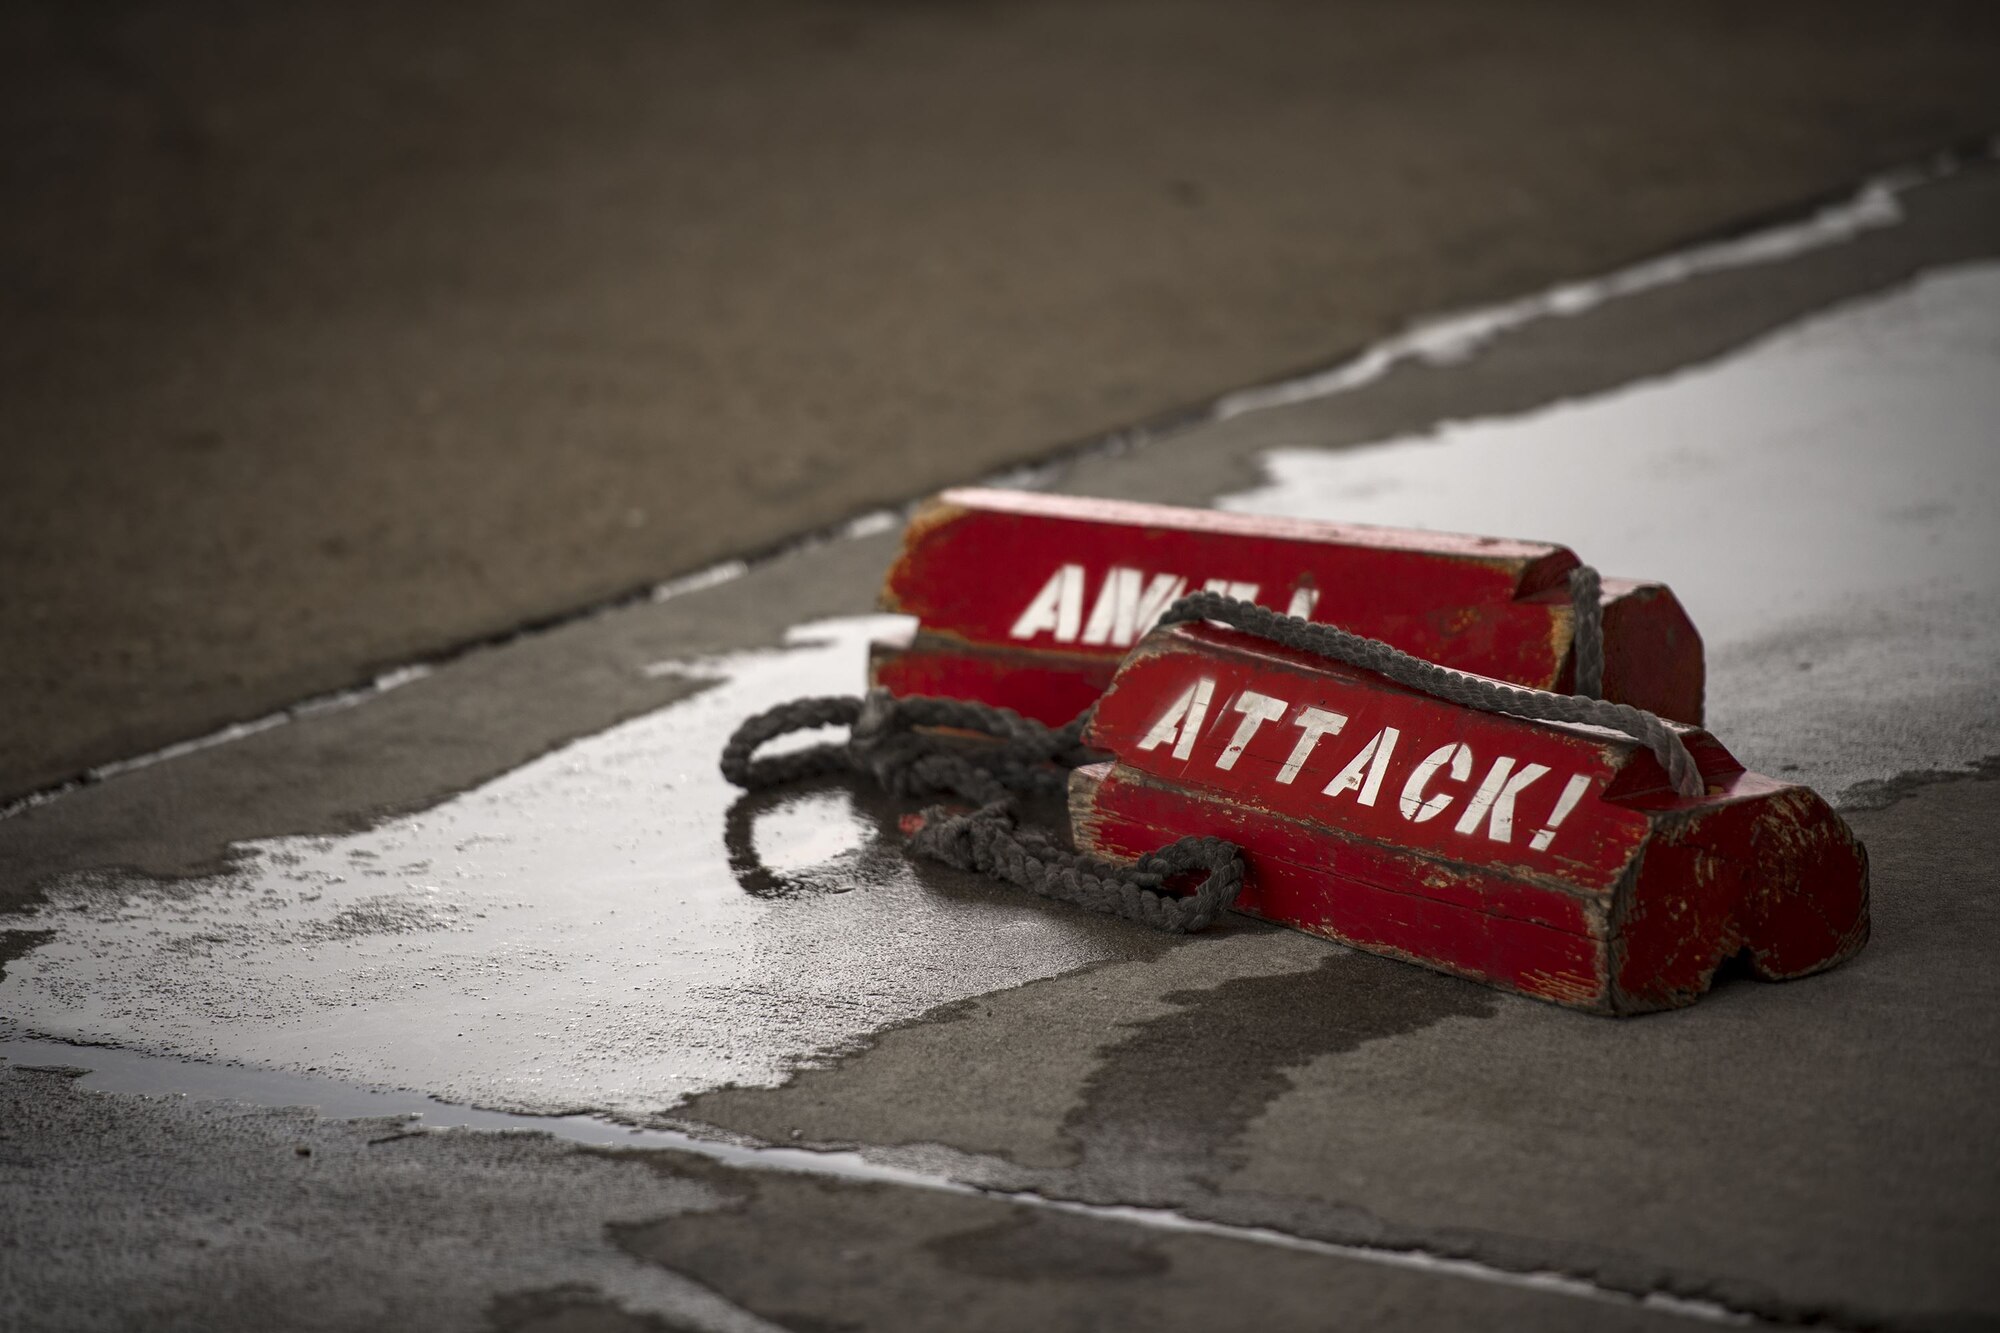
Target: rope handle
pixel 1587 630
pixel 1457 687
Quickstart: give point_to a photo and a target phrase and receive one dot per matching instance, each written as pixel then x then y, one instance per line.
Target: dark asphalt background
pixel 337 334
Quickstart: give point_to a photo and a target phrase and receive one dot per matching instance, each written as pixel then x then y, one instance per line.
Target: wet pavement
pixel 874 1094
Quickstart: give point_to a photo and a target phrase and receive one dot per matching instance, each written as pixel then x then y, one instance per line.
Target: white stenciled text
pixel 1486 795
pixel 1128 602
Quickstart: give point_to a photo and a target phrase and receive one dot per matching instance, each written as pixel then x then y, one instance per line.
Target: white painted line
pixel 870 523
pixel 712 577
pixel 335 702
pixel 1452 338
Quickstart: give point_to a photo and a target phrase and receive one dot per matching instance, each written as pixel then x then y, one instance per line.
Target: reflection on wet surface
pixel 594 931
pixel 813 829
pixel 787 841
pixel 1822 503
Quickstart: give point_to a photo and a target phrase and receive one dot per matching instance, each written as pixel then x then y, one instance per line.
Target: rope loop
pixel 741 766
pixel 907 747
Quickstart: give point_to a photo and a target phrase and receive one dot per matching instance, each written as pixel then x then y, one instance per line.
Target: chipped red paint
pixel 1551 860
pixel 1030 600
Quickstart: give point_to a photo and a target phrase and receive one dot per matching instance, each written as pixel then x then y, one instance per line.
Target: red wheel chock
pixel 1554 860
pixel 1029 601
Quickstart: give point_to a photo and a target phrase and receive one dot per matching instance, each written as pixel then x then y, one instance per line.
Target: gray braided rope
pixel 1024 757
pixel 986 841
pixel 1477 692
pixel 1588 632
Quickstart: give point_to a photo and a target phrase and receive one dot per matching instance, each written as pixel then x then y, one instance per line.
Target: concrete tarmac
pixel 338 336
pixel 1249 1125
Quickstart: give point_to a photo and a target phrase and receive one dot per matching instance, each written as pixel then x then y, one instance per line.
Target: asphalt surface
pixel 1245 1125
pixel 336 336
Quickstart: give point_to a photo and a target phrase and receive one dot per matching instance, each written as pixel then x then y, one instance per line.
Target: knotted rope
pixel 1024 757
pixel 898 743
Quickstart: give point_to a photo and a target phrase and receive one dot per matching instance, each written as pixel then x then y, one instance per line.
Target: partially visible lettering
pixel 1128 606
pixel 1057 608
pixel 1129 602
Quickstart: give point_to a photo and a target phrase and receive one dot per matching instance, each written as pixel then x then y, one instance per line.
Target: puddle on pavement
pixel 1822 503
pixel 609 928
